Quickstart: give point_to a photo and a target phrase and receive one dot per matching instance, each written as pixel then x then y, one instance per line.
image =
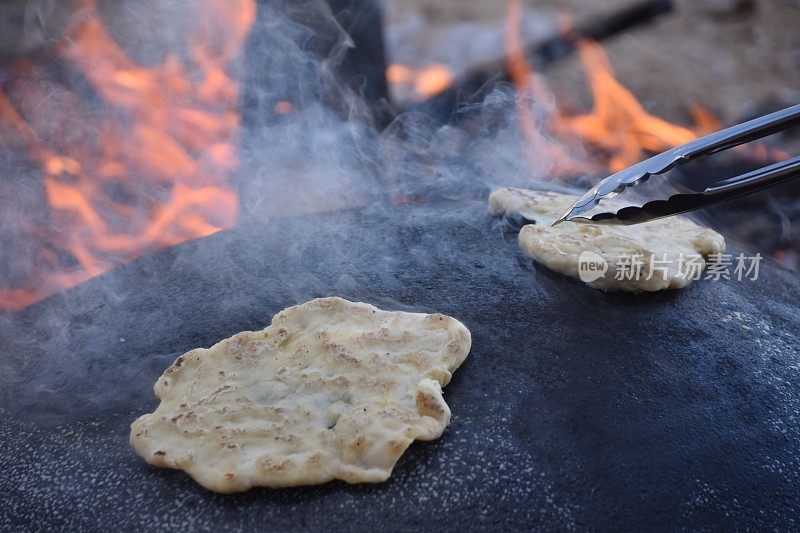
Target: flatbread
pixel 661 254
pixel 330 390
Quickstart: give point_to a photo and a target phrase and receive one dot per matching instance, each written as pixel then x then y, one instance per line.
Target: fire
pixel 531 89
pixel 618 129
pixel 422 83
pixel 432 80
pixel 618 124
pixel 151 171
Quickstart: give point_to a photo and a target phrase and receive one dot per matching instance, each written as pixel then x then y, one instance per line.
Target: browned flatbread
pixel 330 390
pixel 670 251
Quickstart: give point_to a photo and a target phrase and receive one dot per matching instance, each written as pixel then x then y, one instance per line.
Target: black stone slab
pixel 575 408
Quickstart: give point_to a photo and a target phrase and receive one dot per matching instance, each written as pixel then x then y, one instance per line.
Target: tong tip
pixel 577 207
pixel 567 215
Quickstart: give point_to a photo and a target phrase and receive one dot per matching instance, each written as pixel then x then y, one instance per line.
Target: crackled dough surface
pixel 332 389
pixel 559 248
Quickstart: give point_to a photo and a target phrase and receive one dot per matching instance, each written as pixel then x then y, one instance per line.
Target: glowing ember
pixel 150 172
pixel 432 80
pixel 422 83
pixel 398 74
pixel 284 107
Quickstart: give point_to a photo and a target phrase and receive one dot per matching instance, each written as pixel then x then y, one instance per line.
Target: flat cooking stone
pixel 575 408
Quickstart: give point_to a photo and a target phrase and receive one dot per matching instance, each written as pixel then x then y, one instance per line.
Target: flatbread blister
pixel 669 251
pixel 332 389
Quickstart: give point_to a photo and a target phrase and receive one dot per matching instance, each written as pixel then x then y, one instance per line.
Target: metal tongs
pixel 683 202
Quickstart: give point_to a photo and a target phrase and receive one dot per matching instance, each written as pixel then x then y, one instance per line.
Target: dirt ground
pixel 735 57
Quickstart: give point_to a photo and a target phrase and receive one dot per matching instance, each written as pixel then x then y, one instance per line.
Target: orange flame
pixel 618 124
pixel 531 89
pixel 422 83
pixel 617 127
pixel 167 141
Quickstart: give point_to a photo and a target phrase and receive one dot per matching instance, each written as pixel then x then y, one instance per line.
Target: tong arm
pixel 710 144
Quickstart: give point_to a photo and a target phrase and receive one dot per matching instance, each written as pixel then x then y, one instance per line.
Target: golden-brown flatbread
pixel 661 254
pixel 330 390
